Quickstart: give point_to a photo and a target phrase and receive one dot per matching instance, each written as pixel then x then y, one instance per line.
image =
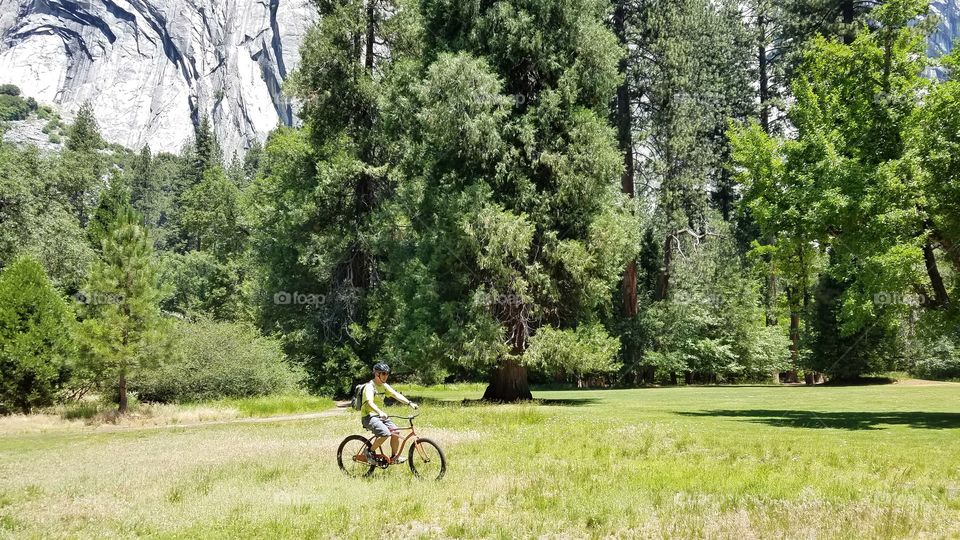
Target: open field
pixel 745 462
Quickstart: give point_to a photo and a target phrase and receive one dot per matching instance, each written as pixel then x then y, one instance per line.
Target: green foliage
pixel 10 90
pixel 214 360
pixel 114 202
pixel 209 214
pixel 35 221
pixel 84 135
pixel 13 107
pixel 202 284
pixel 938 360
pixel 206 151
pixel 121 325
pixel 585 350
pixel 36 346
pixel 711 327
pixel 848 182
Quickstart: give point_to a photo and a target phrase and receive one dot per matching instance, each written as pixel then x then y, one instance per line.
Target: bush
pixel 54 138
pixel 13 107
pixel 9 89
pixel 35 341
pixel 940 360
pixel 46 112
pixel 214 360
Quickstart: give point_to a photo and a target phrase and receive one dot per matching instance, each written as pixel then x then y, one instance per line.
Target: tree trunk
pixel 371 26
pixel 763 75
pixel 624 119
pixel 122 389
pixel 508 383
pixel 846 11
pixel 940 297
pixel 663 280
pixel 794 334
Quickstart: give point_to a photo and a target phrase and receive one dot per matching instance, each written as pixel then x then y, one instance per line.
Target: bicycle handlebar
pixel 404 417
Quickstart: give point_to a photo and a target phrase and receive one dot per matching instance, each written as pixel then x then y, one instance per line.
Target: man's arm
pixel 398 396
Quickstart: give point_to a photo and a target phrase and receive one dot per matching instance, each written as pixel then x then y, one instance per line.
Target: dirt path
pixel 339 410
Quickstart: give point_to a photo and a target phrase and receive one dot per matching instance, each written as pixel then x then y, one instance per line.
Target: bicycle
pixel 425 457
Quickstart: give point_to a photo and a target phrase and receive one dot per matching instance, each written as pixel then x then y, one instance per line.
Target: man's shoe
pixel 397 460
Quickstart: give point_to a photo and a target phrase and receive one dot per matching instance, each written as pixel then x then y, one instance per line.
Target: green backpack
pixel 357 402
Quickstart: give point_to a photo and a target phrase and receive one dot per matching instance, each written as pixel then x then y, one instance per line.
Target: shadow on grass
pixel 853 420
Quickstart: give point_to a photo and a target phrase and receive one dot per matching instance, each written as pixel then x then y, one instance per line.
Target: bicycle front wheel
pixel 351 456
pixel 426 460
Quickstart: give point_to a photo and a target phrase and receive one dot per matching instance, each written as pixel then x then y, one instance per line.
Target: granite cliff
pixel 151 68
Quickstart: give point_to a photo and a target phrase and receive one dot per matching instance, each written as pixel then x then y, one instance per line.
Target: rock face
pixel 948 29
pixel 152 68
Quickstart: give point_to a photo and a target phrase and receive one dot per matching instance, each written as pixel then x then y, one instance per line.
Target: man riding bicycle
pixel 374 419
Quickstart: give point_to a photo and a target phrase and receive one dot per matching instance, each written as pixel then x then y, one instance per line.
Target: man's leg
pixel 377 443
pixel 394 444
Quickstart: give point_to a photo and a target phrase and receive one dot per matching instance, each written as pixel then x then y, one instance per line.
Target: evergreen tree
pixel 35 338
pixel 206 149
pixel 84 134
pixel 518 218
pixel 121 318
pixel 81 166
pixel 114 201
pixel 145 190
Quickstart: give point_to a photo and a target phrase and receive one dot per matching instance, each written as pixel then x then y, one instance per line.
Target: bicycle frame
pixel 403 443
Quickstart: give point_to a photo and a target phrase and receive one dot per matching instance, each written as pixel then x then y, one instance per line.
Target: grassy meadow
pixel 708 462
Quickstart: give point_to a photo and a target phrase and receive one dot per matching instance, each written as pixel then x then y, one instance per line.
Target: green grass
pixel 274 405
pixel 701 462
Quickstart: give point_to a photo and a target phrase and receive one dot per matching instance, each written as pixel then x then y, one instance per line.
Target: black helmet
pixel 381 367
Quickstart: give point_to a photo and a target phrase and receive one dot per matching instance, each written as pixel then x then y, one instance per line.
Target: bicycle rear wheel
pixel 426 460
pixel 351 456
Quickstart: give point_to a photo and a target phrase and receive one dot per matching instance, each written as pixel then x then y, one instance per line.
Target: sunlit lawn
pixel 855 462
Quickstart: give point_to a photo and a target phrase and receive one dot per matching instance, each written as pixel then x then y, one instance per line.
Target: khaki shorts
pixel 379 426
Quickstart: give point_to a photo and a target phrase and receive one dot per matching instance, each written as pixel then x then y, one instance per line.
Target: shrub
pixel 215 360
pixel 13 107
pixel 35 341
pixel 940 360
pixel 9 89
pixel 54 138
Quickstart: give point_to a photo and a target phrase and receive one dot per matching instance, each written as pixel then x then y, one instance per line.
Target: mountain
pixel 152 68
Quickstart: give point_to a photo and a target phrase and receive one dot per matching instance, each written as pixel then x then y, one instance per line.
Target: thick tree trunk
pixel 940 298
pixel 624 120
pixel 508 383
pixel 122 389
